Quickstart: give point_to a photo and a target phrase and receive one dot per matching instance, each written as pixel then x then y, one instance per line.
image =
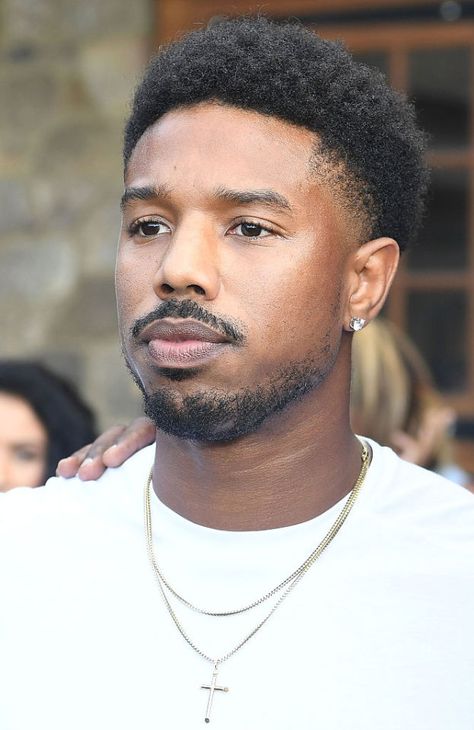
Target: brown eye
pixel 150 228
pixel 253 230
pixel 250 229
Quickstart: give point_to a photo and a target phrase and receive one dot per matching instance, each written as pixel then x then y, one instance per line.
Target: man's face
pixel 230 271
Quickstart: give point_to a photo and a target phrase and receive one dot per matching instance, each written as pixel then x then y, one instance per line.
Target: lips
pixel 182 343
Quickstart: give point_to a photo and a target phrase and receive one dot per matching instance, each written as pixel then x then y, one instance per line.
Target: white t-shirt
pixel 379 633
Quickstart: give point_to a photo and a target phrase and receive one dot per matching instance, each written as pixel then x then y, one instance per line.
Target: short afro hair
pixel 286 71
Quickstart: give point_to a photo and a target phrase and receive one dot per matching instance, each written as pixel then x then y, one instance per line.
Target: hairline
pixel 338 175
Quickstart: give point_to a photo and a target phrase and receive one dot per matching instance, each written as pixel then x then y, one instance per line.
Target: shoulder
pixel 418 502
pixel 26 514
pixel 407 480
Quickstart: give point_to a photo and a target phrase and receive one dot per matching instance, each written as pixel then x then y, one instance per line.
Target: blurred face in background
pixel 23 444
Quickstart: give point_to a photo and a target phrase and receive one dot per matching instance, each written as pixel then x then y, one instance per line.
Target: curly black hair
pixel 69 423
pixel 284 70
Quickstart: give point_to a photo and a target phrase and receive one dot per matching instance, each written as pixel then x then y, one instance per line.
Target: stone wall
pixel 67 72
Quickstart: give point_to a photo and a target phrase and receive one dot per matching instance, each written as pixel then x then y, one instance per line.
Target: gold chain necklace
pixel 288 584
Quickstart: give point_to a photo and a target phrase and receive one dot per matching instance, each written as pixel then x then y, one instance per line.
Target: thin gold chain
pixel 289 583
pixel 365 458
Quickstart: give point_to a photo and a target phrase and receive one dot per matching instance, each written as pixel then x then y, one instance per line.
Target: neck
pixel 298 465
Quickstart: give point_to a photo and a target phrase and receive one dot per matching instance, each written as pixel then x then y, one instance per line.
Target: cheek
pixel 297 305
pixel 28 474
pixel 132 283
pixel 37 474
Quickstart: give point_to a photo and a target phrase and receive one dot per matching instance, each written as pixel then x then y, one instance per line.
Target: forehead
pixel 204 142
pixel 17 418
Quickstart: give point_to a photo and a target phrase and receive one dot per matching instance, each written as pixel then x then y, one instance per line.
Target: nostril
pixel 198 289
pixel 167 289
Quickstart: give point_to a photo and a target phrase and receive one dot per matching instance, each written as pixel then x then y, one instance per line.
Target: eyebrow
pixel 148 192
pixel 268 197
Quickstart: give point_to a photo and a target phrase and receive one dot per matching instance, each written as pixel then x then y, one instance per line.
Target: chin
pixel 203 416
pixel 207 413
pixel 219 415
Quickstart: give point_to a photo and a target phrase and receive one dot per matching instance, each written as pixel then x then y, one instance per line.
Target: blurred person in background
pixel 42 419
pixel 395 402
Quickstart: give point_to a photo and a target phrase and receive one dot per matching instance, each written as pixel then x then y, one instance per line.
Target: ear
pixel 371 270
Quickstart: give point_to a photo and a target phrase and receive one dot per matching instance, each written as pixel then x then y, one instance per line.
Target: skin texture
pixel 292 287
pixel 23 444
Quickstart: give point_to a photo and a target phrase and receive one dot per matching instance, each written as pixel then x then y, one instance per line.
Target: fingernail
pixel 86 462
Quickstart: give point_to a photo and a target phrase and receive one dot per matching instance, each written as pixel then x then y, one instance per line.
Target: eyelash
pixel 27 456
pixel 245 221
pixel 134 228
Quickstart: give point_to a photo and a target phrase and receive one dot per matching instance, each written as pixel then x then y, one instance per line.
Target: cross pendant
pixel 212 687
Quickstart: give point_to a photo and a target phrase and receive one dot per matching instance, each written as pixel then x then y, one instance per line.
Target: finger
pixel 69 466
pixel 139 434
pixel 402 440
pixel 93 466
pixel 103 442
pixel 406 446
pixel 439 420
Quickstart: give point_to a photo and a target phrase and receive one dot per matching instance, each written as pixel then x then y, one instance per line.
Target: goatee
pixel 217 415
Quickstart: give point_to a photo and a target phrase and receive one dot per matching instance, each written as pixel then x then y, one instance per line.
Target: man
pixel 279 580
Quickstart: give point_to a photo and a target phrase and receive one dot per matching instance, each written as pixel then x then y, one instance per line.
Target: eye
pixel 25 454
pixel 148 228
pixel 248 229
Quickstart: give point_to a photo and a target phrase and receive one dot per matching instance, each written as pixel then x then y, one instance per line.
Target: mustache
pixel 185 309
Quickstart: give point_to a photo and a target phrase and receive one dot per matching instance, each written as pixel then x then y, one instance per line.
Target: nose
pixel 190 265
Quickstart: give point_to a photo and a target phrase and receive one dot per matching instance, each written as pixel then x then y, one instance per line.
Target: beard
pixel 218 415
pixel 214 414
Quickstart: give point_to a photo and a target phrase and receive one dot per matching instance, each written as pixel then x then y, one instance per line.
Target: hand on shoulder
pixel 110 449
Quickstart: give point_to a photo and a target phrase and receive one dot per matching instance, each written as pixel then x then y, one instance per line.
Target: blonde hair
pixel 392 388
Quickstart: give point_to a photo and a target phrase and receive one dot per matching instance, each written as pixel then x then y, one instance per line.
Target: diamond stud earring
pixel 356 323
